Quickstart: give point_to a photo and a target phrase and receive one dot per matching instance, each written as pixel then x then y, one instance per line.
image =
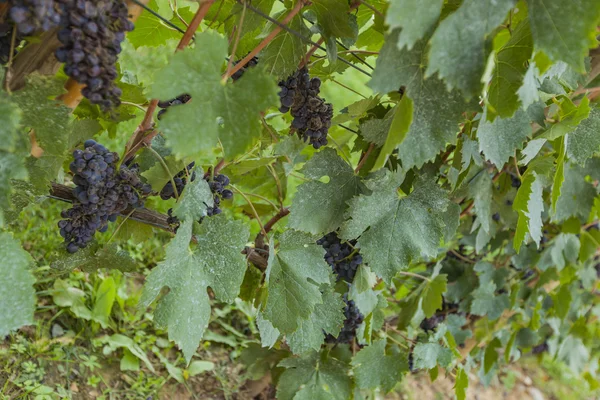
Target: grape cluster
pixel 353 319
pixel 33 15
pixel 164 105
pixel 5 42
pixel 102 192
pixel 91 42
pixel 180 181
pixel 429 324
pixel 540 348
pixel 341 256
pixel 299 94
pixel 217 187
pixel 238 74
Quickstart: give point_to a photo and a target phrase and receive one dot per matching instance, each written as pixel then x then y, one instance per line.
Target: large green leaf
pixel 293 277
pixel 509 74
pixel 436 112
pixel 17 296
pixel 215 261
pixel 227 113
pixel 283 54
pixel 314 377
pixel 415 19
pixel 576 193
pixel 429 355
pixel 487 303
pixel 565 31
pixel 319 207
pixel 400 230
pixel 374 368
pixel 13 148
pixel 326 318
pixel 51 123
pixel 530 206
pixel 498 140
pixel 458 46
pixel 584 141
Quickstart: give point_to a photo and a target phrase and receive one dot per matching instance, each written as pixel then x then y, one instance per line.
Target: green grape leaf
pixel 145 61
pixel 415 20
pixel 319 207
pixel 564 32
pixel 333 18
pixel 455 322
pixel 458 47
pixel 215 261
pixel 432 295
pixel 13 148
pixel 570 117
pixel 51 123
pixel 509 75
pixel 227 113
pixel 399 127
pixel 158 175
pixel 374 368
pixel 562 301
pixel 93 257
pixel 326 318
pixel 17 295
pixel 151 31
pixel 487 303
pixel 376 130
pixel 196 198
pixel 430 355
pixel 499 139
pixel 491 355
pixel 481 190
pixel 584 141
pixel 461 384
pixel 401 230
pixel 436 112
pixel 576 193
pixel 313 377
pixel 136 231
pixel 559 176
pixel 291 275
pixel 530 206
pixel 281 56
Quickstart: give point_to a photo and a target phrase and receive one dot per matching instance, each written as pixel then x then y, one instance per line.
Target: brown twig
pixel 259 242
pixel 364 158
pixel 310 52
pixel 467 209
pixel 237 40
pixel 265 41
pixel 194 24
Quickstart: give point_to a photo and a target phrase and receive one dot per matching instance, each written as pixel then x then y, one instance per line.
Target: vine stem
pixel 412 274
pixel 265 41
pixel 259 241
pixel 310 52
pixel 467 209
pixel 166 168
pixel 237 40
pixel 262 227
pixel 460 256
pixel 136 140
pixel 364 158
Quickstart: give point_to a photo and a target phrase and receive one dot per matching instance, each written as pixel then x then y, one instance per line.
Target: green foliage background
pixel 464 158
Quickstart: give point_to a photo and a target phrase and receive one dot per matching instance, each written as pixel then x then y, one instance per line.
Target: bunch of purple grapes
pixel 239 73
pixel 341 256
pixel 430 324
pixel 164 105
pixel 217 187
pixel 299 94
pixel 34 15
pixel 102 192
pixel 5 42
pixel 180 181
pixel 353 320
pixel 91 37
